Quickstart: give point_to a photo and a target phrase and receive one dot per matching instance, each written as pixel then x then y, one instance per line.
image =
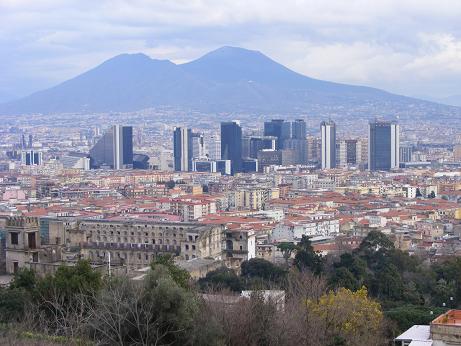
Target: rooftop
pixel 451 317
pixel 415 333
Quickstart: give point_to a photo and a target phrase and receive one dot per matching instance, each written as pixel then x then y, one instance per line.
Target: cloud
pixel 411 47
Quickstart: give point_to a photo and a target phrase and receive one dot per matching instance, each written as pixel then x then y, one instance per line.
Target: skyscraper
pixel 278 128
pixel 198 146
pixel 31 158
pixel 383 145
pixel 352 152
pixel 328 135
pixel 298 129
pixel 405 152
pixel 231 144
pixel 182 149
pixel 114 150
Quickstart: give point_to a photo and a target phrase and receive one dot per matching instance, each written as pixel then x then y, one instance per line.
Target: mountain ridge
pixel 226 79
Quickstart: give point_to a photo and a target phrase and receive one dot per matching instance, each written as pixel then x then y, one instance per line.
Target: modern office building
pixel 278 128
pixel 269 157
pixel 257 143
pixel 140 161
pixel 31 157
pixel 351 152
pixel 249 165
pixel 114 150
pixel 231 144
pixel 314 147
pixel 299 146
pixel 383 145
pixel 405 153
pixel 75 160
pixel 328 137
pixel 224 167
pixel 198 146
pixel 213 147
pixel 203 165
pixel 298 129
pixel 182 149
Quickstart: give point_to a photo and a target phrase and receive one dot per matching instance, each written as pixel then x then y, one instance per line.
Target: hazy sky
pixel 405 46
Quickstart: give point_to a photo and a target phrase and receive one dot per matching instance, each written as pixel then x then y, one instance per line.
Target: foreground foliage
pixel 364 297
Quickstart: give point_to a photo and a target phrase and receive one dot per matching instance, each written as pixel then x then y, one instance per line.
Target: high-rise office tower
pixel 213 147
pixel 352 152
pixel 114 150
pixel 405 152
pixel 383 145
pixel 298 129
pixel 198 146
pixel 231 144
pixel 29 145
pixel 123 147
pixel 246 146
pixel 182 149
pixel 328 136
pixel 314 146
pixel 31 158
pixel 278 128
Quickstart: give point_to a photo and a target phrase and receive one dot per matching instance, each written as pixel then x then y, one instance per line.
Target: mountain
pixel 454 100
pixel 227 79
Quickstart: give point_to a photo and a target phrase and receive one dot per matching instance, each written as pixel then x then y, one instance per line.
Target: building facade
pixel 328 136
pixel 383 146
pixel 231 144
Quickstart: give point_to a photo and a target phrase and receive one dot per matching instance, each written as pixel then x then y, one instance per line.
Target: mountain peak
pixel 232 54
pixel 226 79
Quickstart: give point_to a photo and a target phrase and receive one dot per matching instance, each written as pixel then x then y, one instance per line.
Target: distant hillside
pixel 227 79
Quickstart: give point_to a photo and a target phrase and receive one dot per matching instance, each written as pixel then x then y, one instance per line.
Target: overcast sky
pixel 411 47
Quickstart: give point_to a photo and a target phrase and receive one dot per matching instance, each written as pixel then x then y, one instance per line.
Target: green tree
pixel 24 278
pixel 179 275
pixel 408 315
pixel 12 304
pixel 258 268
pixel 342 277
pixel 221 278
pixel 71 280
pixel 287 250
pixel 307 258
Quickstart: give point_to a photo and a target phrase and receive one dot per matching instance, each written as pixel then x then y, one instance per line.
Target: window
pixel 14 238
pixel 187 247
pixel 193 247
pixel 15 267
